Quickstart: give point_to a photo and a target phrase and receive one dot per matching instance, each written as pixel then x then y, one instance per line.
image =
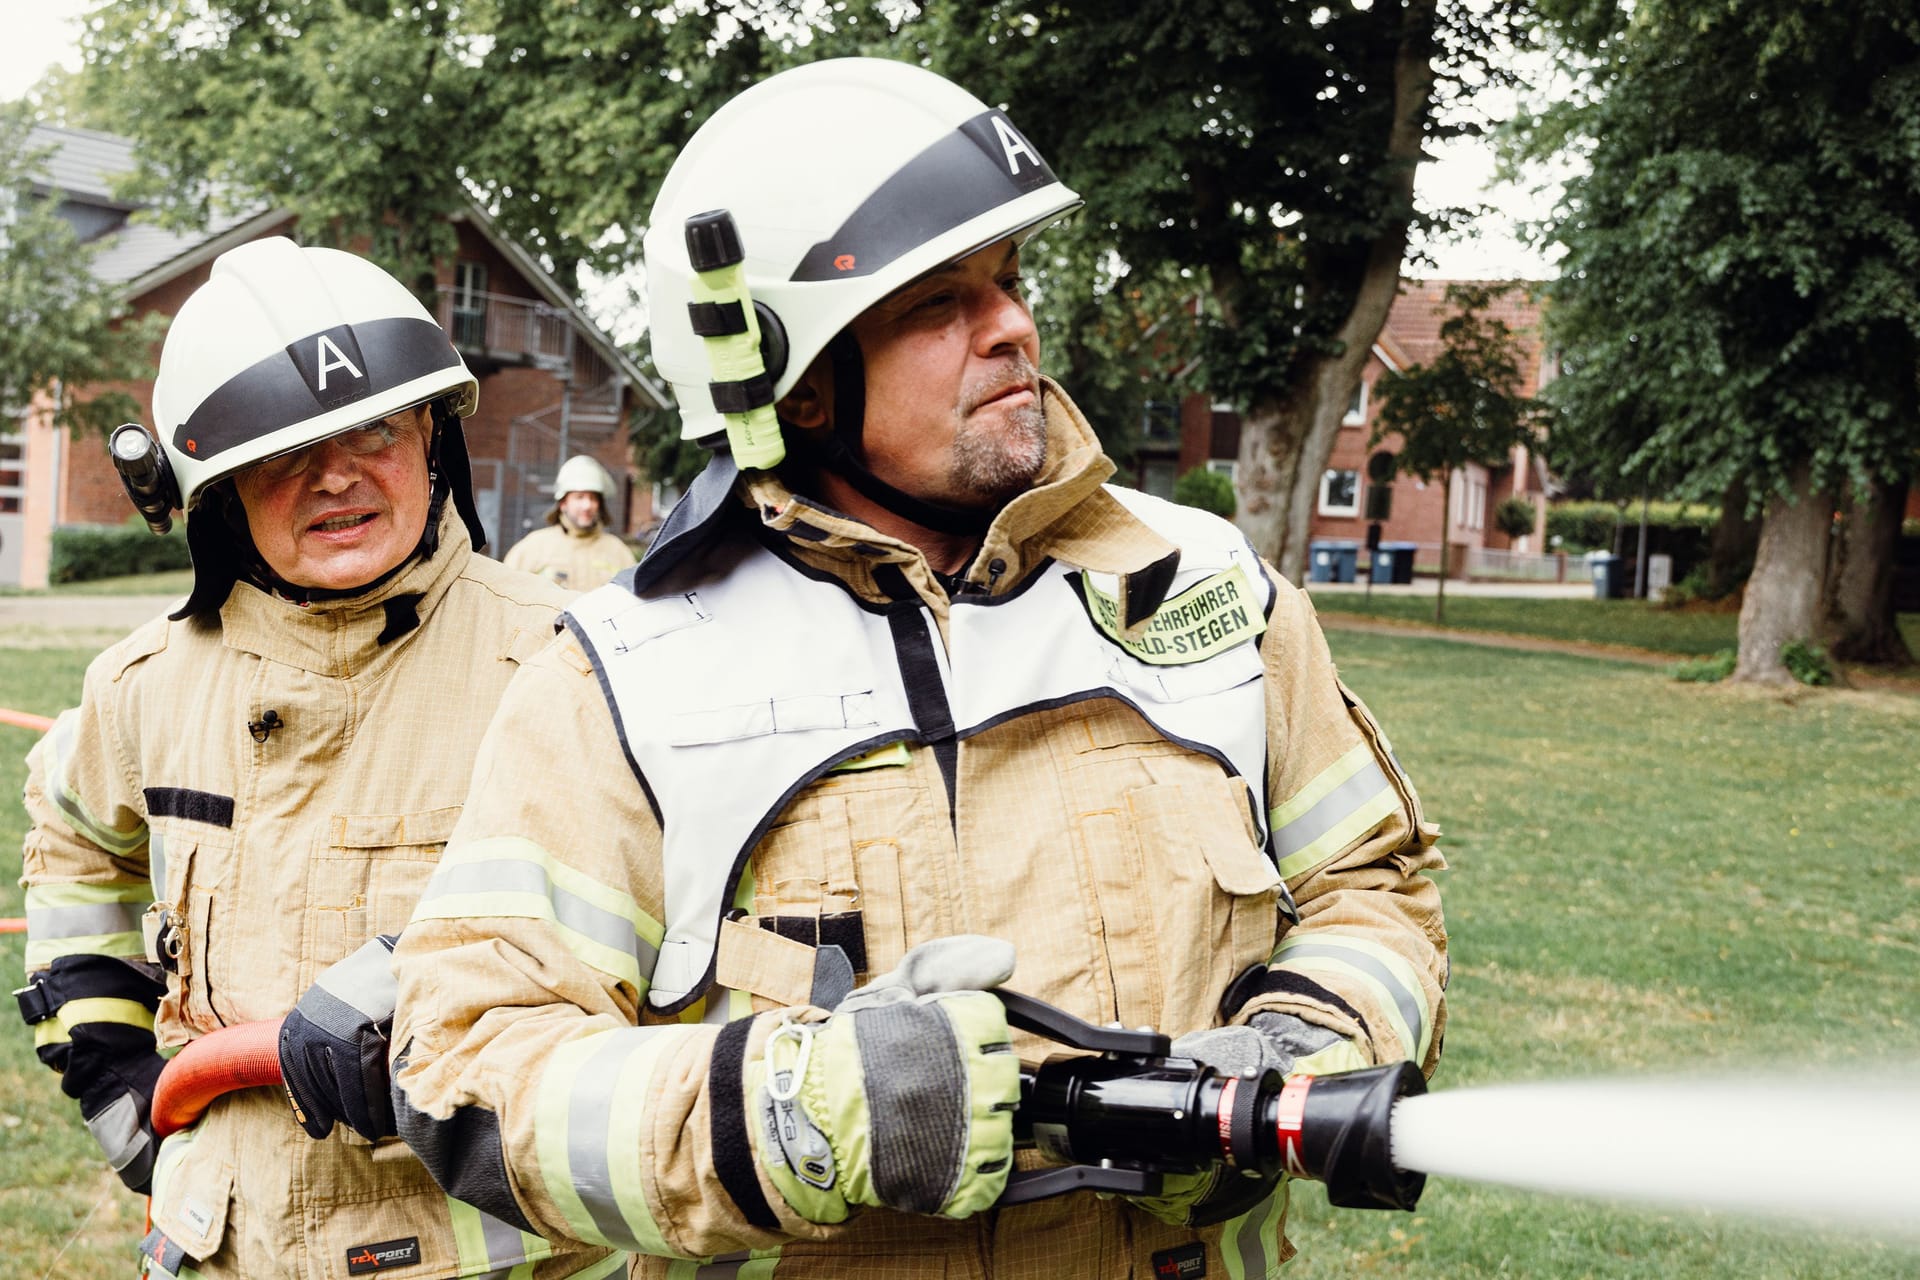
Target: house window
pixel 1156 477
pixel 1160 422
pixel 1228 467
pixel 1340 493
pixel 1357 407
pixel 469 304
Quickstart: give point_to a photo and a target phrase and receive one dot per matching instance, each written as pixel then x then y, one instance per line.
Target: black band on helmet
pixel 319 373
pixel 982 165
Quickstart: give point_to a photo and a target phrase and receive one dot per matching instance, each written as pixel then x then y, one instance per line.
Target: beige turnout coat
pixel 1124 867
pixel 577 559
pixel 278 784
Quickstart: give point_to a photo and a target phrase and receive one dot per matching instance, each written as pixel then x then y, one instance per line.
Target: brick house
pixel 1199 433
pixel 552 383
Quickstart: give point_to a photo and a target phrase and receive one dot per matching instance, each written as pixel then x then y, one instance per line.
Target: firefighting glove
pixel 1268 1042
pixel 333 1046
pixel 903 1097
pixel 93 1023
pixel 117 1106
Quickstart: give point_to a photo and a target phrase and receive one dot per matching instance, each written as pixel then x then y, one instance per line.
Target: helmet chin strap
pixel 840 452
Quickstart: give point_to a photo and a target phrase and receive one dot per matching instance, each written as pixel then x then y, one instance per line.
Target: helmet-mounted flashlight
pixel 144 472
pixel 724 316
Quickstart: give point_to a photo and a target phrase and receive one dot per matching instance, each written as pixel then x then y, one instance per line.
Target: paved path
pixel 69 613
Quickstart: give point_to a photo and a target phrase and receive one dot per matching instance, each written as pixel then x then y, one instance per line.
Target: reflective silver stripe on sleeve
pixel 1410 1005
pixel 59 746
pixel 514 875
pixel 589 1121
pixel 1331 809
pixel 96 919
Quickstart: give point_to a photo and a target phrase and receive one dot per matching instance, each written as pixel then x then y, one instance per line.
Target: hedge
pixel 85 552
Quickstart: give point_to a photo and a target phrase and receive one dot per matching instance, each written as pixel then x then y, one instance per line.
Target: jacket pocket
pixel 192 1185
pixel 1210 891
pixel 364 878
pixel 181 928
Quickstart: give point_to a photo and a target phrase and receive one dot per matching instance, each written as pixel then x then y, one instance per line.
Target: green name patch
pixel 1201 621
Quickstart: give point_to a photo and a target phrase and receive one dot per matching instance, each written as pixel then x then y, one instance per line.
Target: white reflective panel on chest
pixel 736 690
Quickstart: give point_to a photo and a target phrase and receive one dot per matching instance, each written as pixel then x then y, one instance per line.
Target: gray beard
pixel 989 469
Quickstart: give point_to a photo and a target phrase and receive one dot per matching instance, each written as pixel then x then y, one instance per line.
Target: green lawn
pixel 1632 623
pixel 1646 876
pixel 172 582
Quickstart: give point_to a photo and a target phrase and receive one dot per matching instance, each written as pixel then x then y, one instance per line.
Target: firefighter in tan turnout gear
pixel 576 550
pixel 920 708
pixel 254 789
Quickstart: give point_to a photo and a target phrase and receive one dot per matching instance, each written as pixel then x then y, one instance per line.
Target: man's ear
pixel 809 405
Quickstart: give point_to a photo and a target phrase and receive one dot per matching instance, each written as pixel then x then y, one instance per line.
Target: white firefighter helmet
pixel 284 346
pixel 847 178
pixel 582 474
pixel 281 348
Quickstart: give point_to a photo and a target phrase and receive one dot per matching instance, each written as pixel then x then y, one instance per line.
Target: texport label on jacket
pixel 365 1259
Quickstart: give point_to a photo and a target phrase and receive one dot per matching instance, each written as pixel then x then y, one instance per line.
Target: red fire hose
pixel 246 1056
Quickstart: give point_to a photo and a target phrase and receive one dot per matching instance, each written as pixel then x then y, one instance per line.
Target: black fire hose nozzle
pixel 1337 1129
pixel 1128 1109
pixel 144 473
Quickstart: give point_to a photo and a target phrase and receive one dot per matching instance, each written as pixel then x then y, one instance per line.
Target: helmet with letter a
pixel 285 346
pixel 847 178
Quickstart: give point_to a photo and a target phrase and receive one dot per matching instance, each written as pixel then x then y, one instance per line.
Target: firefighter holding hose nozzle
pixel 253 790
pixel 904 706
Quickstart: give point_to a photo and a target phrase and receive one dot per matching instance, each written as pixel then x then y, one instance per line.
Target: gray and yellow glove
pixel 1267 1042
pixel 903 1097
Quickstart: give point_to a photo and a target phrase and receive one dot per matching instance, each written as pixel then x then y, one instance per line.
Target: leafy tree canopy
pixel 1741 292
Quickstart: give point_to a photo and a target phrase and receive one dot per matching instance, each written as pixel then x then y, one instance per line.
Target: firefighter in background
pixel 925 704
pixel 576 551
pixel 254 788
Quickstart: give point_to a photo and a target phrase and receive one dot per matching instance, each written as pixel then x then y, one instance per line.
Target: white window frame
pixel 1327 507
pixel 1228 467
pixel 1357 411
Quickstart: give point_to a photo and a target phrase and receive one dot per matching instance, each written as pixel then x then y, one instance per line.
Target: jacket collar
pixel 1066 516
pixel 343 638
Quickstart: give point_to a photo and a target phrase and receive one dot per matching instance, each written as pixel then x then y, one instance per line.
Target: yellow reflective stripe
pixel 1317 788
pixel 756 1265
pixel 512 877
pixel 891 756
pixel 612 1264
pixel 590 1117
pixel 50 1032
pixel 486 1246
pixel 103 1009
pixel 125 946
pixel 44 896
pixel 1340 804
pixel 1250 1243
pixel 1376 810
pixel 1386 974
pixel 59 748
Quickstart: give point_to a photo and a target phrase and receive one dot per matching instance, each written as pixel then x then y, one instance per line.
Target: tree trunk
pixel 1446 548
pixel 1860 625
pixel 1785 593
pixel 1285 439
pixel 1731 548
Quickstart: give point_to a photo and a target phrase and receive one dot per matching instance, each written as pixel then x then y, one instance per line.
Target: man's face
pixel 581 507
pixel 953 384
pixel 341 512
